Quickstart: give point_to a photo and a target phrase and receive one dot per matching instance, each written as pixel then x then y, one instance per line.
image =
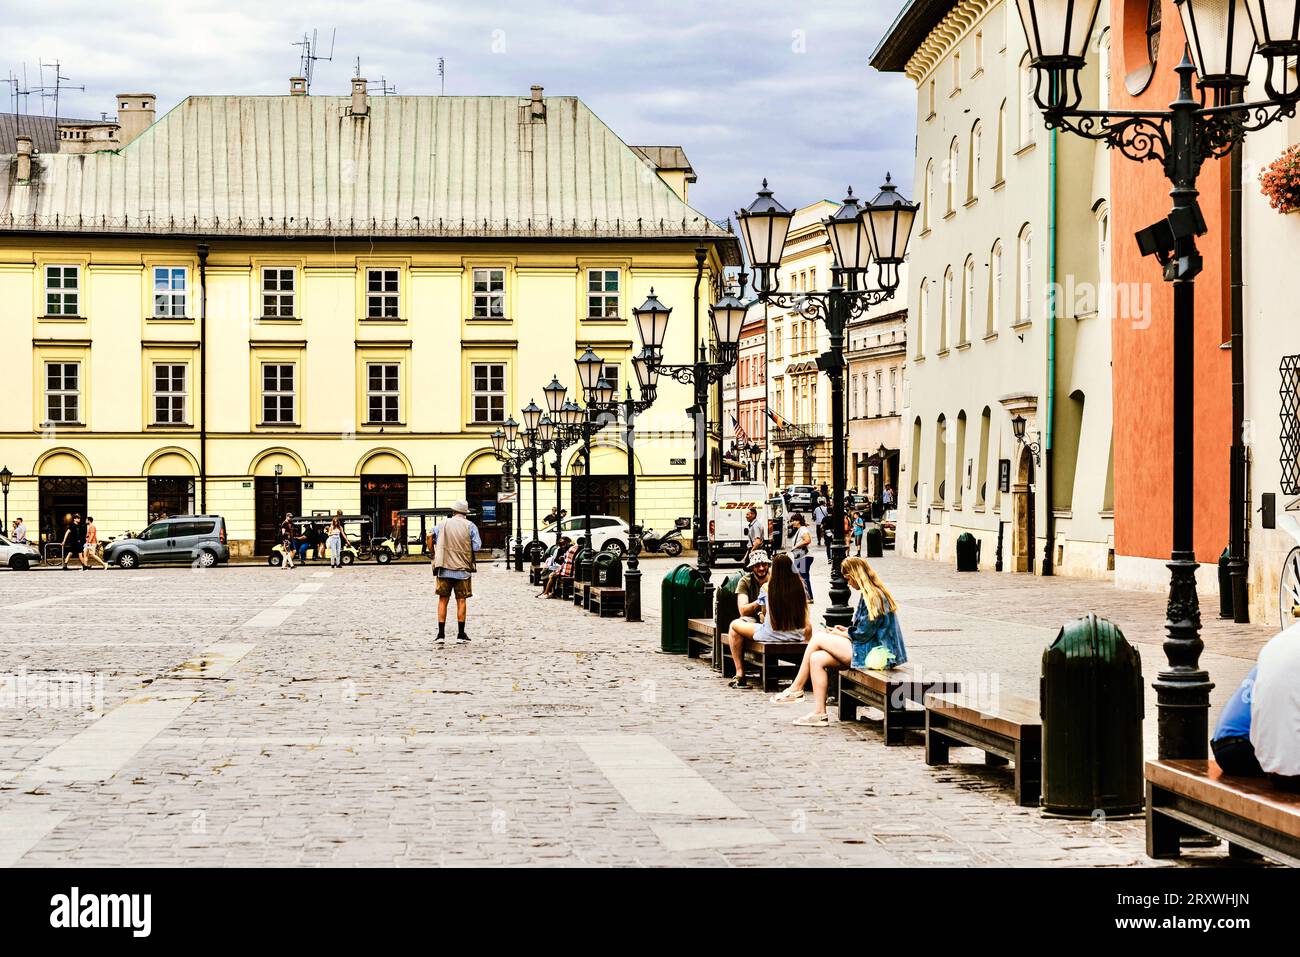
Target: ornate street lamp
pixel 1036 447
pixel 880 231
pixel 727 316
pixel 1182 138
pixel 6 477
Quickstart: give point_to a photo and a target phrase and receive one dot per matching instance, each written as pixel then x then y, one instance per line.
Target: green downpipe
pixel 1050 418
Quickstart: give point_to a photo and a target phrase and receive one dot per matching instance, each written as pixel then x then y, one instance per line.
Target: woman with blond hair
pixel 875 624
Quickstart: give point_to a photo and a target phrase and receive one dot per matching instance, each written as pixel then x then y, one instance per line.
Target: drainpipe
pixel 1238 547
pixel 203 378
pixel 1049 420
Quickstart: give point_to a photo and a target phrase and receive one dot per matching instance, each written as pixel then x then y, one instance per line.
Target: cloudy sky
pixel 752 89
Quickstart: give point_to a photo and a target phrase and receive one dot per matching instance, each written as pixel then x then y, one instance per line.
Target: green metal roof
pixel 417 165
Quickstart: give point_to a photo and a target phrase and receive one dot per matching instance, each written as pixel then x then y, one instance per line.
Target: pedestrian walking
pixel 754 532
pixel 337 541
pixel 90 550
pixel 819 520
pixel 859 529
pixel 287 543
pixel 74 539
pixel 454 543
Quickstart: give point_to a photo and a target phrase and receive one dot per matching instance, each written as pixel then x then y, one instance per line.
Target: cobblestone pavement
pixel 262 716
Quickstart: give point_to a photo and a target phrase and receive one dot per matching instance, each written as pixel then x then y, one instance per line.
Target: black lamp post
pixel 1223 36
pixel 552 431
pixel 6 477
pixel 879 232
pixel 536 446
pixel 727 315
pixel 629 408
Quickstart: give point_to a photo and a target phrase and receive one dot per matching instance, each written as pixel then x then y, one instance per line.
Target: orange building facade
pixel 1147 43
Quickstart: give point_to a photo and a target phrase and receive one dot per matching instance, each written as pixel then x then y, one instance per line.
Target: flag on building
pixel 741 437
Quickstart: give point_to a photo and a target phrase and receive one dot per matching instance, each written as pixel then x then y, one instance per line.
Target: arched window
pixel 1028 109
pixel 922 317
pixel 946 307
pixel 995 289
pixel 929 195
pixel 1106 295
pixel 1153 31
pixel 976 156
pixel 967 300
pixel 951 174
pixel 940 460
pixel 1025 279
pixel 914 476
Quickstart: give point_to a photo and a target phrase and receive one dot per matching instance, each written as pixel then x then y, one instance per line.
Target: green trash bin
pixel 607 571
pixel 684 598
pixel 728 609
pixel 967 553
pixel 1090 700
pixel 875 541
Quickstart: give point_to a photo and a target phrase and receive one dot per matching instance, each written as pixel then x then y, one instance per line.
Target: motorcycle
pixel 669 544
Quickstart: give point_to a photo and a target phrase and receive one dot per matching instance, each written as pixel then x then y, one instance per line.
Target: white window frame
pixel 604 296
pixel 62 393
pixel 171 301
pixel 388 394
pixel 384 302
pixel 995 288
pixel 494 408
pixel 170 405
pixel 492 294
pixel 1024 293
pixel 612 373
pixel 279 300
pixel 65 295
pixel 280 394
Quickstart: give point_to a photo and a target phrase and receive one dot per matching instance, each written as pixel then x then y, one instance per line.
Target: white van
pixel 728 503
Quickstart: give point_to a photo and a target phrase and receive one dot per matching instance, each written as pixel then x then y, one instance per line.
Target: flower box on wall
pixel 1280 181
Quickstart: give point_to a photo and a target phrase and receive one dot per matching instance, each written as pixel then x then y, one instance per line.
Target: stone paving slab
pixel 344 737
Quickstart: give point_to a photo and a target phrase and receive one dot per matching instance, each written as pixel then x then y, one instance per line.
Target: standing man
pixel 20 531
pixel 819 518
pixel 454 544
pixel 287 544
pixel 754 532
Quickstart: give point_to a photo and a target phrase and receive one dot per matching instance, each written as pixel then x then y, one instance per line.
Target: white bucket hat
pixel 461 506
pixel 758 557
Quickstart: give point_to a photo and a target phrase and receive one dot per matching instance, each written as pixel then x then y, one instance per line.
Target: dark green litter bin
pixel 967 553
pixel 875 541
pixel 728 609
pixel 1091 706
pixel 683 598
pixel 608 571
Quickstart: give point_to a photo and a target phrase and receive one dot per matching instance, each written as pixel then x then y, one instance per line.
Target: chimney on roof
pixel 360 101
pixel 24 158
pixel 538 106
pixel 135 114
pixel 297 86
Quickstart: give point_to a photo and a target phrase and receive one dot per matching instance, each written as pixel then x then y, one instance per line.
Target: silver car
pixel 189 539
pixel 17 555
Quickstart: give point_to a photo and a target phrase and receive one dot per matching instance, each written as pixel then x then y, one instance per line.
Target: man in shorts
pixel 454 543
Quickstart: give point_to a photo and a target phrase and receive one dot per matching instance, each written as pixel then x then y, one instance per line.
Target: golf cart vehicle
pixel 314 533
pixel 410 534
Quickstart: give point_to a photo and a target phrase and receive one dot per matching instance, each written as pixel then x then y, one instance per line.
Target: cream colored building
pixel 297 303
pixel 876 353
pixel 1009 212
pixel 1272 366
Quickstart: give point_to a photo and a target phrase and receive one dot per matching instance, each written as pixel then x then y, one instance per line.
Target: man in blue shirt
pixel 1231 743
pixel 455 541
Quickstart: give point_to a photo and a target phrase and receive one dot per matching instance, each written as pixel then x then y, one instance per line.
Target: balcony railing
pixel 799 434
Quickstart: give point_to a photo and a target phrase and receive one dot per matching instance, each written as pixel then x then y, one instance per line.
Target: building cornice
pixel 925 33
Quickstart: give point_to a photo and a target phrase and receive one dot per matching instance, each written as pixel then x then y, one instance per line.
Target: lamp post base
pixel 1183 689
pixel 632 592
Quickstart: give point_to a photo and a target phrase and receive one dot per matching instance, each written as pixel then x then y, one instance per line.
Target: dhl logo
pixel 736 506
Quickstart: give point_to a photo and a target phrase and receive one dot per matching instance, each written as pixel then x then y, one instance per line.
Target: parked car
pixel 188 539
pixel 19 557
pixel 609 533
pixel 888 527
pixel 801 498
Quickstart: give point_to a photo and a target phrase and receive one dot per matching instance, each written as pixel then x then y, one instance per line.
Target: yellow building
pixel 296 303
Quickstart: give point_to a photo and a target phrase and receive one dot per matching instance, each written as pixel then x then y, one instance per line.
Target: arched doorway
pixel 604 486
pixel 1022 505
pixel 275 493
pixel 63 477
pixel 484 484
pixel 171 484
pixel 384 486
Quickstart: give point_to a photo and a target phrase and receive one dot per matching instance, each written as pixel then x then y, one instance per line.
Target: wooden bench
pixel 607 602
pixel 1252 814
pixel 564 588
pixel 898 693
pixel 775 660
pixel 535 575
pixel 1008 729
pixel 700 634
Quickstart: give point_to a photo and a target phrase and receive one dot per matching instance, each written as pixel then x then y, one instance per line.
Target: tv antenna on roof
pixel 53 91
pixel 307 61
pixel 442 76
pixel 385 89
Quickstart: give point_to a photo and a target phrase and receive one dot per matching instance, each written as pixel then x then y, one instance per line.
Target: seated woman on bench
pixel 875 624
pixel 785 617
pixel 562 557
